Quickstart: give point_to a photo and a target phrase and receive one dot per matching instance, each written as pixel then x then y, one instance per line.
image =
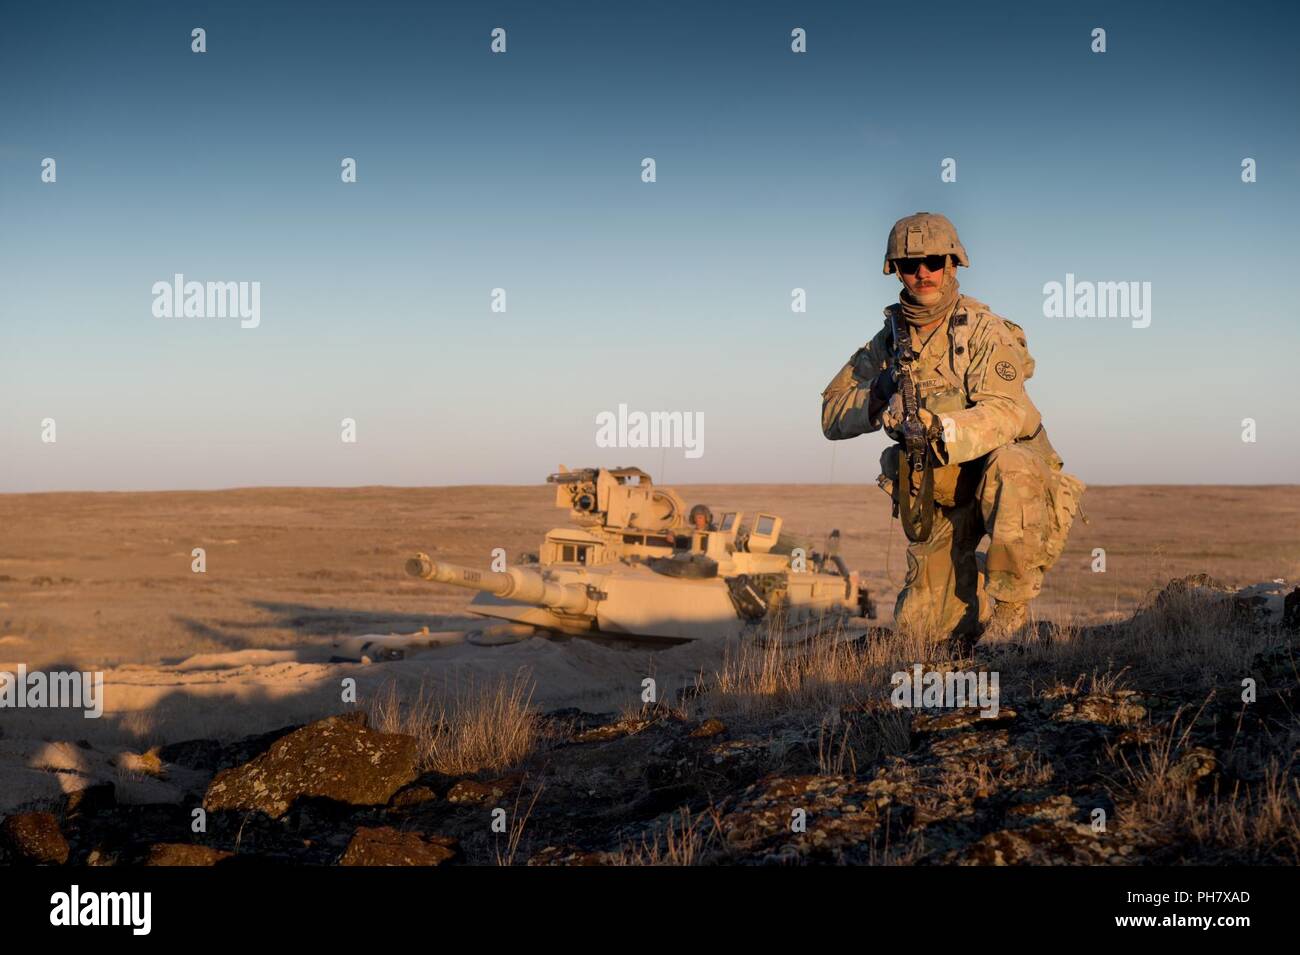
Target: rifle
pixel 915 512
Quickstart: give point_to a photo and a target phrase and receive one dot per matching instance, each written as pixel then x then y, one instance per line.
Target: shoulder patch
pixel 1017 333
pixel 1005 370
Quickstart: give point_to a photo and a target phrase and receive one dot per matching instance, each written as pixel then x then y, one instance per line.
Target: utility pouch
pixel 954 484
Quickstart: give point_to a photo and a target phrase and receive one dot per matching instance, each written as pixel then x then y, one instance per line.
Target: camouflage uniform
pixel 996 473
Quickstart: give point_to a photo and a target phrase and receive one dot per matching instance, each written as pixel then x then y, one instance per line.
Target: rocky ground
pixel 1124 744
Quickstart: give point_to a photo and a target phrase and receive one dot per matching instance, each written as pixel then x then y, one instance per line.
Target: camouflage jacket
pixel 971 374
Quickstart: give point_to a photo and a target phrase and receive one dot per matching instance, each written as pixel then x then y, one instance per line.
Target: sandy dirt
pixel 103 581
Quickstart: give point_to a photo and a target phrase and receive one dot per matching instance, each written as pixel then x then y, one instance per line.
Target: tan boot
pixel 1007 620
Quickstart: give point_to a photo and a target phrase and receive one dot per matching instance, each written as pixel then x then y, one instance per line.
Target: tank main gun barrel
pixel 516 583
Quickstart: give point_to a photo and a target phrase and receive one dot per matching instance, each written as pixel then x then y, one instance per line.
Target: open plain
pixel 1124 697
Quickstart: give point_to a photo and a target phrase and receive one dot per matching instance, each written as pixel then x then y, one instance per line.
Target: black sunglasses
pixel 933 263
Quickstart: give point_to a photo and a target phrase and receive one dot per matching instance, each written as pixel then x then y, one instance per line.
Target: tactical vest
pixel 940 375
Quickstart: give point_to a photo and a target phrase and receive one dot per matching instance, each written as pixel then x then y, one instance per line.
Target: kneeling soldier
pixel 945 378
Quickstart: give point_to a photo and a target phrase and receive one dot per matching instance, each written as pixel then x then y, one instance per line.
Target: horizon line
pixel 418 487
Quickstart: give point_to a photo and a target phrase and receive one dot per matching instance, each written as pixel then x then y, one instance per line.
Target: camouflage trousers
pixel 1017 504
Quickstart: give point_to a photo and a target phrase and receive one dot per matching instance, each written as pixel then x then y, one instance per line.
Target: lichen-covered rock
pixel 1119 708
pixel 184 854
pixel 1058 808
pixel 339 758
pixel 562 855
pixel 1192 766
pixel 35 838
pixel 602 734
pixel 1047 843
pixel 970 744
pixel 383 845
pixel 471 792
pixel 1144 734
pixel 708 729
pixel 738 750
pixel 801 815
pixel 1267 605
pixel 960 719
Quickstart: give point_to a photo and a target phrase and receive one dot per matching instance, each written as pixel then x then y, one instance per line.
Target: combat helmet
pixel 925 233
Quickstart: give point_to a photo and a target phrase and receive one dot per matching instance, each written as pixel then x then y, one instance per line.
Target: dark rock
pixel 383 845
pixel 194 753
pixel 339 759
pixel 105 855
pixel 94 799
pixel 662 800
pixel 34 837
pixel 1278 667
pixel 211 754
pixel 569 720
pixel 416 795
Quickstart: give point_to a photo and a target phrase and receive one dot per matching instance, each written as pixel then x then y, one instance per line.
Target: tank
pixel 633 563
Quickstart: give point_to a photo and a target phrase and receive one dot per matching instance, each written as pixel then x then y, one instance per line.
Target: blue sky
pixel 522 171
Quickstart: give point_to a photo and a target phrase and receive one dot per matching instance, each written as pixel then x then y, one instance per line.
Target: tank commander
pixel 701 518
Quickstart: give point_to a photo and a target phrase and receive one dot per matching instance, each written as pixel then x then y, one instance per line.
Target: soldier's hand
pixel 892 416
pixel 934 434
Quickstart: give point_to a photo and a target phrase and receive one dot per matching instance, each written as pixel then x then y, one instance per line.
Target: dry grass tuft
pixel 844 746
pixel 684 840
pixel 821 674
pixel 1253 823
pixel 518 822
pixel 470 728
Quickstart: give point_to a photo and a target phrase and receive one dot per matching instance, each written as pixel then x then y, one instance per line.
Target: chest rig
pixel 939 364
